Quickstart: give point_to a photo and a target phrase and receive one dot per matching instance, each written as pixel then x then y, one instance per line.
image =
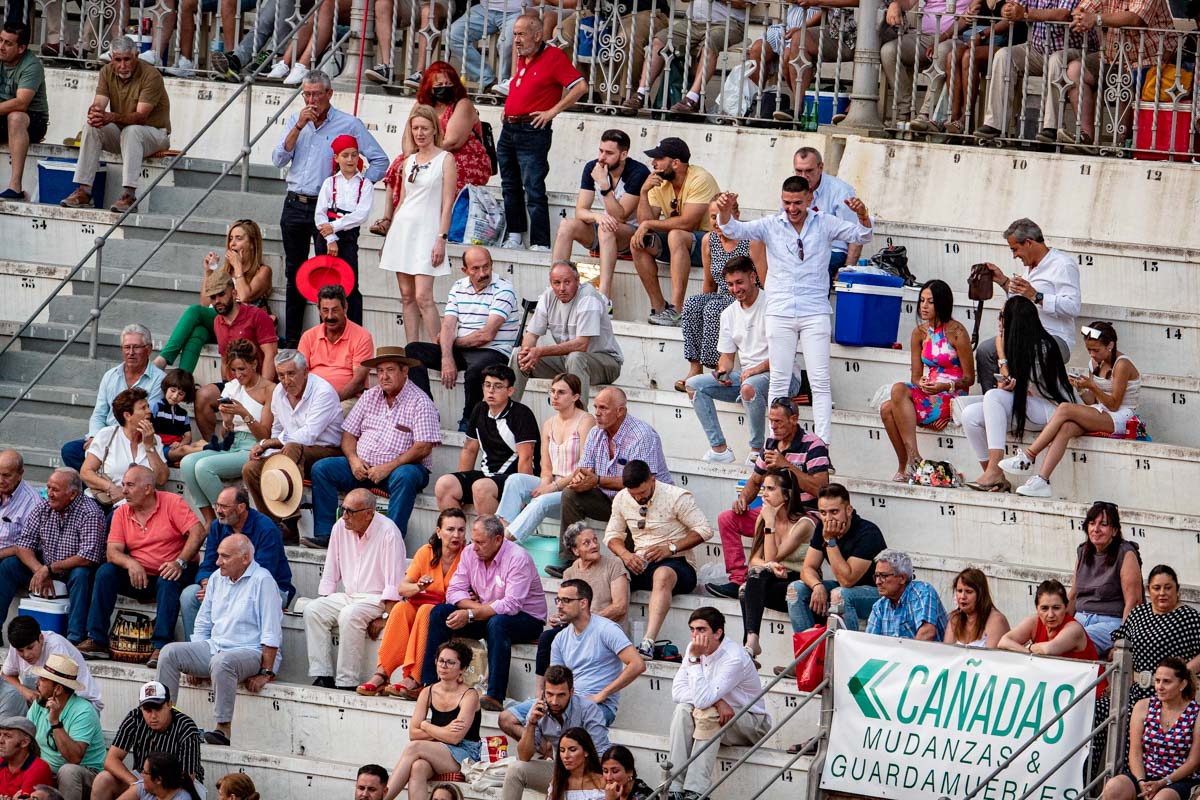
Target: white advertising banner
pixel 914 720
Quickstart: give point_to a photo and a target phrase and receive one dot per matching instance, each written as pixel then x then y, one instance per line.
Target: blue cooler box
pixel 50 614
pixel 868 309
pixel 56 181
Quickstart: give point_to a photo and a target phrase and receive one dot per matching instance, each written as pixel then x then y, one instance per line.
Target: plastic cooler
pixel 56 181
pixel 50 614
pixel 543 550
pixel 1164 133
pixel 868 309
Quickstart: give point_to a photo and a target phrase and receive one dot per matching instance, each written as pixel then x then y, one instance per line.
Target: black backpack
pixel 894 261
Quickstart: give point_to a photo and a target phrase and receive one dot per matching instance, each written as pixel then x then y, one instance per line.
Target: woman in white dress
pixel 415 248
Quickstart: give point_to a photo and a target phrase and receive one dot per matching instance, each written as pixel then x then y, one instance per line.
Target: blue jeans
pixel 468 29
pixel 1099 629
pixel 333 475
pixel 73 453
pixel 857 600
pixel 14 577
pixel 523 512
pixel 837 260
pixel 500 632
pixel 521 712
pixel 522 153
pixel 112 580
pixel 707 390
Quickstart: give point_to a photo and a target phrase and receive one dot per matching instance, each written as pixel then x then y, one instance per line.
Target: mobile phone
pixel 648 240
pixel 999 377
pixel 222 401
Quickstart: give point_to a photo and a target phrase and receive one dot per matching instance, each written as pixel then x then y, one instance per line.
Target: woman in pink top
pixel 529 499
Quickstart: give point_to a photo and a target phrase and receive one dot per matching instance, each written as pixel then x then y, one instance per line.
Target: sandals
pixel 380 226
pixel 1002 486
pixel 401 692
pixel 900 477
pixel 370 689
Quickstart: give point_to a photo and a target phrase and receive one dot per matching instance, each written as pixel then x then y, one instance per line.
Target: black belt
pixel 519 118
pixel 302 198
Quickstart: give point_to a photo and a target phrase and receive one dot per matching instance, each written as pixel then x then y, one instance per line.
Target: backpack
pixel 485 137
pixel 894 261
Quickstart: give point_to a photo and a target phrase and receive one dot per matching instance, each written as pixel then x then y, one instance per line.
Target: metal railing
pixel 826 639
pixel 97 248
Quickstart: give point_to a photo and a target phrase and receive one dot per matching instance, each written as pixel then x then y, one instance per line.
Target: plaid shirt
pixel 1051 37
pixel 384 432
pixel 1141 46
pixel 918 605
pixel 77 531
pixel 635 440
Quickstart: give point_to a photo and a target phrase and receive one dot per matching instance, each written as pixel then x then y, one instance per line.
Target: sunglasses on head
pixel 1090 332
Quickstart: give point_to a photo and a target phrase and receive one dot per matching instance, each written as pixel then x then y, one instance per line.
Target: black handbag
pixel 894 261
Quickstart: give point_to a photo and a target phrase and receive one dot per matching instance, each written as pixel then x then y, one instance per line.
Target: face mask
pixel 442 94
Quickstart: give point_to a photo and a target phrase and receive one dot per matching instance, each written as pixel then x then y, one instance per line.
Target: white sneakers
pixel 150 57
pixel 726 457
pixel 1019 464
pixel 184 68
pixel 1037 486
pixel 279 71
pixel 296 76
pixel 501 88
pixel 513 242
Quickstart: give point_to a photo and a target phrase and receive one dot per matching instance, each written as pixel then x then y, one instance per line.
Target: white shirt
pixel 798 287
pixel 245 614
pixel 728 674
pixel 830 197
pixel 744 331
pixel 354 196
pixel 1057 277
pixel 54 644
pixel 116 455
pixel 316 419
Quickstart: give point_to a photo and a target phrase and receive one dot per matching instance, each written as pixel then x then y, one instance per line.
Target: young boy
pixel 342 206
pixel 171 420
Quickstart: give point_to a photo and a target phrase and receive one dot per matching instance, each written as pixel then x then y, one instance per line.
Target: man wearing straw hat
pixel 73 725
pixel 387 442
pixel 307 428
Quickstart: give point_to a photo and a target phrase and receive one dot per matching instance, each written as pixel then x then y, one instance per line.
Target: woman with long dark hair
pixel 1108 576
pixel 424 586
pixel 1109 392
pixel 975 621
pixel 942 344
pixel 781 536
pixel 577 771
pixel 621 781
pixel 1031 384
pixel 164 779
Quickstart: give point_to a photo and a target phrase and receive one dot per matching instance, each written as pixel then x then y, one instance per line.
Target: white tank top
pixel 1132 389
pixel 235 391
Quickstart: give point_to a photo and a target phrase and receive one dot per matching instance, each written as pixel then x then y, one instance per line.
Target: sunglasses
pixel 1090 332
pixel 675 207
pixel 642 511
pixel 785 403
pixel 800 247
pixel 412 176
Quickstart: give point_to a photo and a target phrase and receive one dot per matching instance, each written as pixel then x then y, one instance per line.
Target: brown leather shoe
pixel 490 704
pixel 77 199
pixel 126 201
pixel 685 106
pixel 153 662
pixel 90 649
pixel 632 105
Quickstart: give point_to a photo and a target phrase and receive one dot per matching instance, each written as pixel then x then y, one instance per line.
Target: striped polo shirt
pixel 473 309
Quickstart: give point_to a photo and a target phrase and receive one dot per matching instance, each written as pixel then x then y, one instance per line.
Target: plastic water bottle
pixel 864 262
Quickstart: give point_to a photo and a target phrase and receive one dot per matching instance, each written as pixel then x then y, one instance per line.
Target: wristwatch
pixel 470 615
pixel 58 726
pixel 385 615
pixel 1037 298
pixel 831 542
pixel 671 546
pixel 269 673
pixel 445 237
pixel 182 564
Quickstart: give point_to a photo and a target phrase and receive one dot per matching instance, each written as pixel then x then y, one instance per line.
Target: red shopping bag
pixel 810 671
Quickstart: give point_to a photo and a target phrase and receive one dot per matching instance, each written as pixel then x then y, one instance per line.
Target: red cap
pixel 341 143
pixel 321 271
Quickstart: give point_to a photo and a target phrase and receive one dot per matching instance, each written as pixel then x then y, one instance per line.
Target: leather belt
pixel 519 118
pixel 302 198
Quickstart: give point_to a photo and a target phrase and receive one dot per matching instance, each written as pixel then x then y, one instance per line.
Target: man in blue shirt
pixel 237 638
pixel 307 147
pixel 135 370
pixel 906 609
pixel 234 516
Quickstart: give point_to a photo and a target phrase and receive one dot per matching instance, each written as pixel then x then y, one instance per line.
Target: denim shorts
pixel 464 750
pixel 664 251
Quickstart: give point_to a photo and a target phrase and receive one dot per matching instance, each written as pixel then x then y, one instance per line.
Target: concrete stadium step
pixel 293 721
pixel 225 204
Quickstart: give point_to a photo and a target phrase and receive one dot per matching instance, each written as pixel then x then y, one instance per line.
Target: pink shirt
pixel 935 19
pixel 369 564
pixel 510 583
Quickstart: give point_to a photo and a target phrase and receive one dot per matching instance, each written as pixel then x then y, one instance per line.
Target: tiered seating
pixel 298 740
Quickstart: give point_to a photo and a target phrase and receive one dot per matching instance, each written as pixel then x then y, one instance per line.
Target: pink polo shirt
pixel 369 564
pixel 510 583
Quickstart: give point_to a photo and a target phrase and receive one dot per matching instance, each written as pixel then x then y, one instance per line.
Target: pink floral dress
pixel 942 359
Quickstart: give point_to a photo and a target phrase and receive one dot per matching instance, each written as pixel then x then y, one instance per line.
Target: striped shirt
pixel 474 308
pixel 634 440
pixel 806 452
pixel 80 530
pixel 13 511
pixel 181 739
pixel 384 432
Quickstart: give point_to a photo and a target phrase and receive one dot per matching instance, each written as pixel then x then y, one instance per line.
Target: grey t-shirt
pixel 586 315
pixel 12 702
pixel 27 74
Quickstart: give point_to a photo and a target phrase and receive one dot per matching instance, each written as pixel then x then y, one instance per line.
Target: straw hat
pixel 60 669
pixel 394 354
pixel 282 485
pixel 708 722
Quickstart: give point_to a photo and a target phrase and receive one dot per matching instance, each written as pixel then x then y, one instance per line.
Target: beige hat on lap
pixel 282 485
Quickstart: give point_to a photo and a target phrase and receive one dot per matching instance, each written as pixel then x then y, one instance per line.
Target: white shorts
pixel 1120 417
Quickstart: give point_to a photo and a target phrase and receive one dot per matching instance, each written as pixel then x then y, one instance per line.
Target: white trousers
pixel 813 334
pixel 350 614
pixel 987 424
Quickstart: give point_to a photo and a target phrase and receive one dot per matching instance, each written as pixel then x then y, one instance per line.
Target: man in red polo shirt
pixel 535 97
pixel 234 320
pixel 337 348
pixel 21 769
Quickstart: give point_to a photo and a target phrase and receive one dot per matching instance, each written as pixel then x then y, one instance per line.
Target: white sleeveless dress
pixel 417 222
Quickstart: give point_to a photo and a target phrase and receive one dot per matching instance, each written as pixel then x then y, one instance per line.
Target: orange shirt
pixel 336 362
pixel 422 564
pixel 161 539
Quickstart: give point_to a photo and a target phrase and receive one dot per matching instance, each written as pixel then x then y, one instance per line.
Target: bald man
pixel 17 499
pixel 479 329
pixel 617 439
pixel 366 555
pixel 237 637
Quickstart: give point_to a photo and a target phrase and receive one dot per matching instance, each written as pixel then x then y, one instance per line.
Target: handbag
pixel 810 671
pixel 488 140
pixel 893 260
pixel 426 599
pixel 980 287
pixel 105 498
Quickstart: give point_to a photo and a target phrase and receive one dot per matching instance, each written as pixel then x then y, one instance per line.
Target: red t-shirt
pixel 538 82
pixel 162 539
pixel 250 323
pixel 33 772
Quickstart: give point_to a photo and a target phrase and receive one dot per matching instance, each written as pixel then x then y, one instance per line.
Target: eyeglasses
pixel 883 576
pixel 562 601
pixel 642 512
pixel 1090 332
pixel 133 348
pixel 447 662
pixel 346 510
pixel 495 386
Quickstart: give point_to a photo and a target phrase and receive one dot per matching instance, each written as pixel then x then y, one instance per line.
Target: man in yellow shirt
pixel 672 219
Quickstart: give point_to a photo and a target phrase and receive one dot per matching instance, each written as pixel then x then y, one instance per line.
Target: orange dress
pixel 407 627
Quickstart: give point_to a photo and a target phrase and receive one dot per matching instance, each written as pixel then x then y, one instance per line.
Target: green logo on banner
pixel 862 687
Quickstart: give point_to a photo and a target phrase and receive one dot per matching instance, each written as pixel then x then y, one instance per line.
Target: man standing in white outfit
pixel 366 553
pixel 798 242
pixel 715 682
